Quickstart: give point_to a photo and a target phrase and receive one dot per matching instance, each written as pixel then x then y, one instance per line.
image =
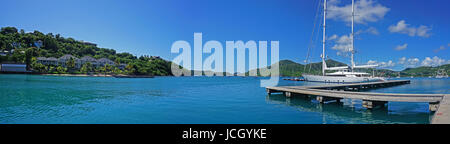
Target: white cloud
pixel 403 28
pixel 365 11
pixel 409 63
pixel 440 49
pixel 371 62
pixel 370 30
pixel 401 47
pixel 402 60
pixel 412 62
pixel 435 61
pixel 333 37
pixel 423 31
pixel 343 43
pixel 388 64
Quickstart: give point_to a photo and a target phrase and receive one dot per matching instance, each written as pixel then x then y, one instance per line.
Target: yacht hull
pixel 340 79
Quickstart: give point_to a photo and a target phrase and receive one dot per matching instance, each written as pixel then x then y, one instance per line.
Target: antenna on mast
pixel 353 36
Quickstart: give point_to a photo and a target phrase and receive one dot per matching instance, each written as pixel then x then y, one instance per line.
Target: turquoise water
pixel 191 100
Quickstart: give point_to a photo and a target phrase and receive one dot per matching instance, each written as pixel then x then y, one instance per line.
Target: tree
pixel 107 68
pixel 70 64
pixel 131 69
pixel 86 68
pixel 8 30
pixel 18 56
pixel 50 44
pixel 28 57
pixel 61 70
pixel 39 67
pixel 117 70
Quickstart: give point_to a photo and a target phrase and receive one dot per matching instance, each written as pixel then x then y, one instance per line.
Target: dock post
pixel 372 104
pixel 433 106
pixel 322 99
pixel 268 91
pixel 288 94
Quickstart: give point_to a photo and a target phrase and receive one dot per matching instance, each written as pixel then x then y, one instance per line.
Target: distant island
pixel 289 68
pixel 55 54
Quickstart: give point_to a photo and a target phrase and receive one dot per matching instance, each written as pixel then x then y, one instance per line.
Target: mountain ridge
pixel 289 68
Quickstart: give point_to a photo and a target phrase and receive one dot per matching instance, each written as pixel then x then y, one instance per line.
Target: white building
pixel 104 61
pixel 64 59
pixel 47 61
pixel 88 59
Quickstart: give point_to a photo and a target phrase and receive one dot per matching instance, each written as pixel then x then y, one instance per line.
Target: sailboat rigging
pixel 344 74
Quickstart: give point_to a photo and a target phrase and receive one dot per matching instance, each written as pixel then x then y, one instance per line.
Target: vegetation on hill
pixel 292 69
pixel 424 71
pixel 24 47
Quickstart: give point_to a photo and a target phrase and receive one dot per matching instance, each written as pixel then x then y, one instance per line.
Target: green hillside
pixel 21 47
pixel 424 71
pixel 292 69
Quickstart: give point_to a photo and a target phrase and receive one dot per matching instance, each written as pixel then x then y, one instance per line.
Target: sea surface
pixel 33 99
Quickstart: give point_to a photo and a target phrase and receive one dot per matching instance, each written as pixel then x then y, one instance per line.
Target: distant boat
pixel 344 74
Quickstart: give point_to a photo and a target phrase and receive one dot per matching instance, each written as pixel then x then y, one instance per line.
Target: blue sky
pixel 407 33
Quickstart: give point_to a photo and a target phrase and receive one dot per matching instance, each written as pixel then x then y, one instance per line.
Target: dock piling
pixel 372 104
pixel 433 106
pixel 323 99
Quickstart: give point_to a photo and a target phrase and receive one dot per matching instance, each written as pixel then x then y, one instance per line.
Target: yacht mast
pixel 353 35
pixel 324 36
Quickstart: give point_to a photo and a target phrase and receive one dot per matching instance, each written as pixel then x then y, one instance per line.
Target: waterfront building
pixel 62 61
pixel 104 61
pixel 121 66
pixel 13 68
pixel 47 61
pixel 88 59
pixel 3 53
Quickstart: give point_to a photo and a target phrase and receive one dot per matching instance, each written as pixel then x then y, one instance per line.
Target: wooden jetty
pixel 336 92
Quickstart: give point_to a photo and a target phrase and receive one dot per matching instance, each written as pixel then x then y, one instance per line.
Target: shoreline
pixel 143 76
pixel 79 75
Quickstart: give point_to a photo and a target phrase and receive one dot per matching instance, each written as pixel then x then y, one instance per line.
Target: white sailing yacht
pixel 344 74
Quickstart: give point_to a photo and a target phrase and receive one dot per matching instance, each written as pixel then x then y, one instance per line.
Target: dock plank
pixel 442 115
pixel 363 95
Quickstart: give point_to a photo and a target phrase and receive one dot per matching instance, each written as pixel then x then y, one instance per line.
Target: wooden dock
pixel 336 92
pixel 442 115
